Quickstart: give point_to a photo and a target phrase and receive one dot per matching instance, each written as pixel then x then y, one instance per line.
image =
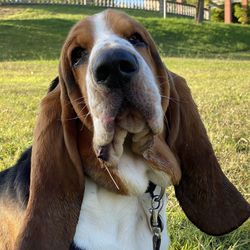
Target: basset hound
pixel 115 129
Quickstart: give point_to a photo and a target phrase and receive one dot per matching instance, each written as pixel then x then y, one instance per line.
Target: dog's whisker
pixel 167 97
pixel 77 117
pixel 83 108
pixel 80 98
pixel 174 100
pixel 77 101
pixel 86 116
pixel 170 99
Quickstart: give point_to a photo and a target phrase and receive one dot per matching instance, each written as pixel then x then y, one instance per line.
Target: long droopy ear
pixel 205 194
pixel 57 181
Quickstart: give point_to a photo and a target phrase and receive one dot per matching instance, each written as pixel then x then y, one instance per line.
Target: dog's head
pixel 119 89
pixel 115 95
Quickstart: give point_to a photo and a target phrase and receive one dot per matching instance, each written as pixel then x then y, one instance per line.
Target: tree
pixel 199 17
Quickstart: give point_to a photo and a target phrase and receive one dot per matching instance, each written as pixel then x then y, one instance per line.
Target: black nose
pixel 114 67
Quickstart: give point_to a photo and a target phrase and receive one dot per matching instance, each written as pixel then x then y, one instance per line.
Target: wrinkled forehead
pixel 104 25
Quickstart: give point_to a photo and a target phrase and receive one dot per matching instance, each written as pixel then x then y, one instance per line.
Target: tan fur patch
pixel 11 218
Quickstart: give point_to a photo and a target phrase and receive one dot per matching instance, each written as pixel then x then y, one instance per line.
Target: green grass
pixel 30 42
pixel 39 32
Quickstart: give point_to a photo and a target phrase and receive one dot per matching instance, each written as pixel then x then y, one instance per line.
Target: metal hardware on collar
pixel 158 198
pixel 155 220
pixel 151 189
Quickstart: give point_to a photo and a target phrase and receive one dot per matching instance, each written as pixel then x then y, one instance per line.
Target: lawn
pixel 30 42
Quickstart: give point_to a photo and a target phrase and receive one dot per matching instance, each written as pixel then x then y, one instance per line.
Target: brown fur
pixel 56 184
pixel 62 154
pixel 205 194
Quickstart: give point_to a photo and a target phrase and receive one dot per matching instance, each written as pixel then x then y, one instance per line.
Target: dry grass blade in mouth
pixel 112 178
pixel 103 165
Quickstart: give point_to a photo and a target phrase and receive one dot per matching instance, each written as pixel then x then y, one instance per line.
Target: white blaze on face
pixel 104 37
pixel 100 99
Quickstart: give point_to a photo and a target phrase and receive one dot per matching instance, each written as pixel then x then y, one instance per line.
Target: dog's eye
pixel 137 40
pixel 78 56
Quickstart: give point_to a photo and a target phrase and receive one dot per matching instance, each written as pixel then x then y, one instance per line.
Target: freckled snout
pixel 115 67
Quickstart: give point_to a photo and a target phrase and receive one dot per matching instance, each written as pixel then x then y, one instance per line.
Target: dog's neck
pixel 111 221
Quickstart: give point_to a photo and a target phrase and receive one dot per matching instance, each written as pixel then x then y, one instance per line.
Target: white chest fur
pixel 110 222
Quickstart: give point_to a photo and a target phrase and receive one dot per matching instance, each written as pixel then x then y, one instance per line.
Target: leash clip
pixel 155 219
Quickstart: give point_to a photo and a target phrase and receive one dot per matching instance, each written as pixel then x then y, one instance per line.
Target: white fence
pixel 172 8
